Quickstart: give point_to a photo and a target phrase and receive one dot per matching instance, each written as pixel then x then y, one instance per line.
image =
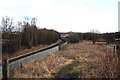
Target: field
pixel 79 60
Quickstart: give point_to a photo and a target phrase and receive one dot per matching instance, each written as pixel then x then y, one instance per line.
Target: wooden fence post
pixel 114 51
pixel 117 50
pixel 4 69
pixel 118 54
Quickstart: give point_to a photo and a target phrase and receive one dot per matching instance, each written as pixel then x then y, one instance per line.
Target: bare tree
pixel 11 39
pixel 94 35
pixel 7 24
pixel 29 32
pixel 33 21
pixel 19 26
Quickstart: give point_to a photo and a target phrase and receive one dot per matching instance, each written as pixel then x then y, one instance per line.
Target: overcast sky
pixel 65 15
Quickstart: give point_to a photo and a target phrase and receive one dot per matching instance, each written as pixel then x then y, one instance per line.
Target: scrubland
pixel 78 60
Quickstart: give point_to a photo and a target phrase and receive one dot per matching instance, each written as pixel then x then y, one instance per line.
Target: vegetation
pixel 86 62
pixel 81 60
pixel 89 36
pixel 73 38
pixel 108 37
pixel 108 68
pixel 27 35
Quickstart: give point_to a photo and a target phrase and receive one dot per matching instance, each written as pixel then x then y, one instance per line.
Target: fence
pixel 17 63
pixel 62 45
pixel 23 59
pixel 110 48
pixel 114 49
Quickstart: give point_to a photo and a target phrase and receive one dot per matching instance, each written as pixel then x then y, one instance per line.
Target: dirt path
pixel 75 60
pixel 85 60
pixel 66 70
pixel 63 72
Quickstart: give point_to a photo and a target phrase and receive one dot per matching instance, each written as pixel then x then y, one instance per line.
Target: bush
pixel 109 67
pixel 109 37
pixel 47 36
pixel 73 38
pixel 80 36
pixel 12 43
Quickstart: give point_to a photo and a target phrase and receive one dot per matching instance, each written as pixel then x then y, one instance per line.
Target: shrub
pixel 73 38
pixel 109 37
pixel 108 68
pixel 47 36
pixel 12 43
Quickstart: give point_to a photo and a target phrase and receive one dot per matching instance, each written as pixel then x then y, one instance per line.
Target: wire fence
pixel 112 49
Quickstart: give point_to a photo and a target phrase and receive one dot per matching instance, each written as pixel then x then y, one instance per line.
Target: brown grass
pixel 108 68
pixel 93 62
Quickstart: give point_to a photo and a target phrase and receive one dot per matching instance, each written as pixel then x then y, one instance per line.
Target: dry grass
pixel 90 59
pixel 108 68
pixel 39 68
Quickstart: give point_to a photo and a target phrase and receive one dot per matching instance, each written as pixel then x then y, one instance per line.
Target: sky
pixel 65 15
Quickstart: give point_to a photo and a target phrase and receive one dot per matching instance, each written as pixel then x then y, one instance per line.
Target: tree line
pixel 25 34
pixel 94 37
